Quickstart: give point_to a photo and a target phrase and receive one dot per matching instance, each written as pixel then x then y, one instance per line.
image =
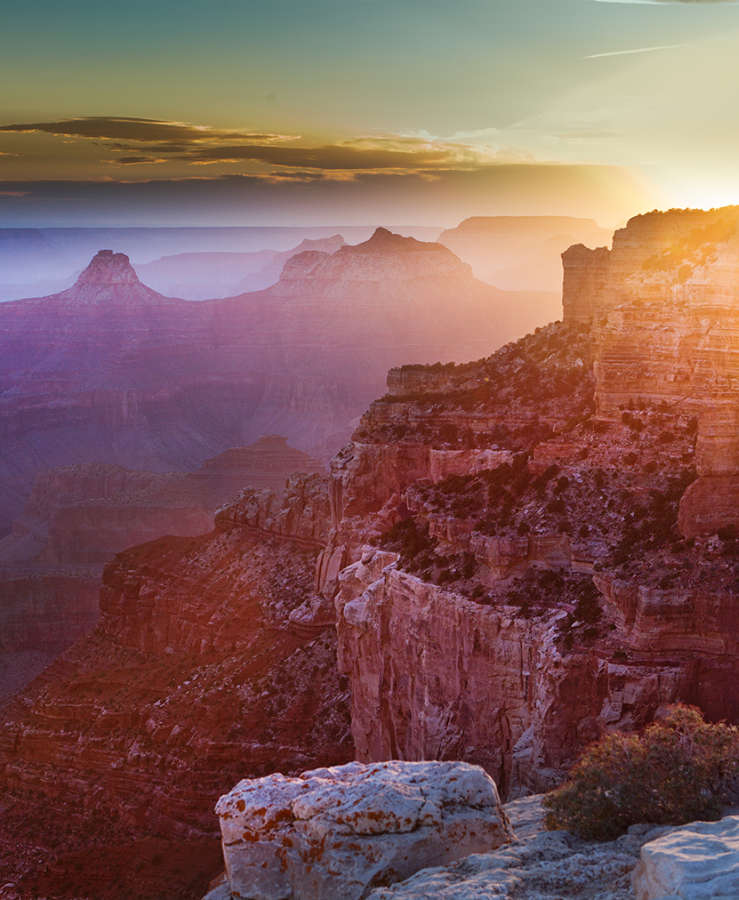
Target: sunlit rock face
pixel 495 570
pixel 664 308
pixel 519 582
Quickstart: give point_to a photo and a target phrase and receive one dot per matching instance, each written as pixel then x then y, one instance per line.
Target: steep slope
pixel 520 252
pixel 193 676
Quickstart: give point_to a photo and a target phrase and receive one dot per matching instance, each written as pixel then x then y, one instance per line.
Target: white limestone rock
pixel 337 833
pixel 695 862
pixel 540 865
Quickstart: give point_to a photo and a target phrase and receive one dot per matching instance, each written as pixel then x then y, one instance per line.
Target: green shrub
pixel 678 770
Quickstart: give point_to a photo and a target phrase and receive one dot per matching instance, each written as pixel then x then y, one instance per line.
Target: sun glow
pixel 701 192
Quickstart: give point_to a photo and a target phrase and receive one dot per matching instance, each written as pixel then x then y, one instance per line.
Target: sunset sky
pixel 424 111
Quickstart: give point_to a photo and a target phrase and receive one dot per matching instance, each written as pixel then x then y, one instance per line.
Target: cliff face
pixel 522 579
pixel 664 308
pixel 500 560
pixel 520 583
pixel 193 677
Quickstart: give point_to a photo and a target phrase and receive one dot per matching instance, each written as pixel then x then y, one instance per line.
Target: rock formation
pixel 339 832
pixel 202 275
pixel 665 310
pixel 509 615
pixel 497 553
pixel 549 865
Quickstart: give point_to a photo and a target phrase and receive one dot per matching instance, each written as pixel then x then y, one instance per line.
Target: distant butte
pixel 108 267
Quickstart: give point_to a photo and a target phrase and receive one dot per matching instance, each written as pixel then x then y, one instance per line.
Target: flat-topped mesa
pixel 501 249
pixel 385 256
pixel 107 268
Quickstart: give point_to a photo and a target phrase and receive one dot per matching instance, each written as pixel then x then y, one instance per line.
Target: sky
pixel 416 111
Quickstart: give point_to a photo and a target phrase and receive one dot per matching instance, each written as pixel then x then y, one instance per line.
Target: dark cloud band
pixel 141 141
pixel 123 128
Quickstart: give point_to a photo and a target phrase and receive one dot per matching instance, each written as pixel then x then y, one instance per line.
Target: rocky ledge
pixel 413 831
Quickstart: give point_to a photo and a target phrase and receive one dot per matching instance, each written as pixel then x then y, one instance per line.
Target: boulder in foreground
pixel 697 861
pixel 337 833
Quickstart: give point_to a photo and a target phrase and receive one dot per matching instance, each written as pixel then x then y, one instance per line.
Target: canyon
pixel 110 390
pixel 78 517
pixel 510 558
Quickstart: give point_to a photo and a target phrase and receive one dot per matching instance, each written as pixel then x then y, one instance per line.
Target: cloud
pixel 127 128
pixel 139 142
pixel 330 156
pixel 137 160
pixel 635 50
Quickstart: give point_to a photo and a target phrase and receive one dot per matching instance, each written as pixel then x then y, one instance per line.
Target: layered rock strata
pixel 664 307
pixel 509 615
pixel 503 562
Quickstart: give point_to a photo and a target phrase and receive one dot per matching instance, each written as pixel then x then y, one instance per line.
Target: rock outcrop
pixel 498 553
pixel 549 865
pixel 695 861
pixel 519 579
pixel 334 834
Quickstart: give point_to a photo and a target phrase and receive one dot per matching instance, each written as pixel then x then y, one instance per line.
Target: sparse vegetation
pixel 678 770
